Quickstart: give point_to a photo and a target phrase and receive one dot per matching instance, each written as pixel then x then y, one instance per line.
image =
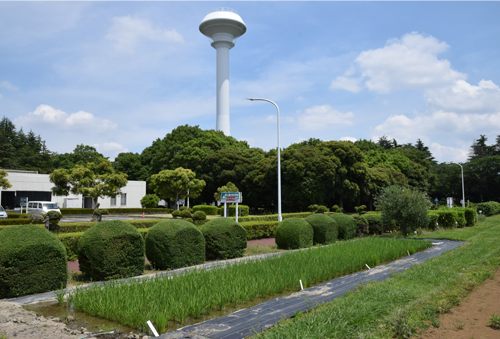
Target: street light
pixel 463 191
pixel 279 156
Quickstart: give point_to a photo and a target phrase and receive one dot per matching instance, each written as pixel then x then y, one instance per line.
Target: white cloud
pixel 126 33
pixel 319 117
pixel 348 139
pixel 447 153
pixel 464 97
pixel 110 149
pixel 349 84
pixel 8 85
pixel 409 62
pixel 447 128
pixel 47 116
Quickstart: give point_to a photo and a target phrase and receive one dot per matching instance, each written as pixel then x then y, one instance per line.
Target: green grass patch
pixel 200 291
pixel 409 302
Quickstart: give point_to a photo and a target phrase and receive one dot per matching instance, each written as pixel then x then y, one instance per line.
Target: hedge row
pixel 274 217
pixel 488 208
pixel 208 209
pixel 73 211
pixel 245 210
pixel 452 217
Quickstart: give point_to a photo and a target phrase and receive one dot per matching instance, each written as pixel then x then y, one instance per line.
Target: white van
pixel 42 207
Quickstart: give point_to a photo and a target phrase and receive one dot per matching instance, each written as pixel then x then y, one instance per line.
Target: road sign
pixel 436 200
pixel 24 201
pixel 231 197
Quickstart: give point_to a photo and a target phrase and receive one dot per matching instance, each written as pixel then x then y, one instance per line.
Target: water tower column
pixel 223 48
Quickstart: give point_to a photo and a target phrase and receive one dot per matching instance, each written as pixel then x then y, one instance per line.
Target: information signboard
pixel 231 197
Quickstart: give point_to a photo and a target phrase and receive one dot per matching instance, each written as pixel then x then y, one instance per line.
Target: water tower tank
pixel 223 26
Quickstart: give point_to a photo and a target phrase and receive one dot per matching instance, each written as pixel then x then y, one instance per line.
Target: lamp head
pixel 251 99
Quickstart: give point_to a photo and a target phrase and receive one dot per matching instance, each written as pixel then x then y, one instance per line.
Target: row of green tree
pixel 313 171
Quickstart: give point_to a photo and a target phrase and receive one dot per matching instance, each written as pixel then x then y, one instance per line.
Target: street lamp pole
pixel 463 190
pixel 279 154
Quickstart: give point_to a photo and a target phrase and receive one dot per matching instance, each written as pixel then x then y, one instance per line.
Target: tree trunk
pixel 341 202
pixel 96 207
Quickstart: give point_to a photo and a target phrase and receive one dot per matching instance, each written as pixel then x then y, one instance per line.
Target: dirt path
pixel 470 319
pixel 18 323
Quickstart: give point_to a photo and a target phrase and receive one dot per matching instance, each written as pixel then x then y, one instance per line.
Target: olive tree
pixel 406 206
pixel 176 184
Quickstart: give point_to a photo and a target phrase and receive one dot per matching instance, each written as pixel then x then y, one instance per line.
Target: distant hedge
pixel 260 229
pixel 32 260
pixel 232 208
pixel 73 211
pixel 208 209
pixel 488 208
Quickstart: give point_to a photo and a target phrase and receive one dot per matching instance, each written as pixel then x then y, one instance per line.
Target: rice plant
pixel 197 292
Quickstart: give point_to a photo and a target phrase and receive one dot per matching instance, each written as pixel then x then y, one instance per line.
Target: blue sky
pixel 118 75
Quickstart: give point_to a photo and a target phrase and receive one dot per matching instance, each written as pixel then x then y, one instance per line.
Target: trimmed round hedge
pixel 199 215
pixel 208 209
pixel 294 233
pixel 347 225
pixel 185 213
pixel 175 243
pixel 224 239
pixel 325 228
pixel 32 260
pixel 111 249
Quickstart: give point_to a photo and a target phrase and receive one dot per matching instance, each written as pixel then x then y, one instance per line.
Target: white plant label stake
pixel 153 329
pixel 368 266
pixel 408 252
pixel 301 287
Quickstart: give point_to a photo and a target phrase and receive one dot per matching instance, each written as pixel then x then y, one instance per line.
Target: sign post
pixel 436 202
pixel 235 197
pixel 24 203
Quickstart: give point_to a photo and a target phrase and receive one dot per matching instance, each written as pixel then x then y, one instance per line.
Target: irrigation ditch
pixel 237 318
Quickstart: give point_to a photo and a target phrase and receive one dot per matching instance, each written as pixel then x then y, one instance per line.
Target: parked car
pixel 42 207
pixel 3 214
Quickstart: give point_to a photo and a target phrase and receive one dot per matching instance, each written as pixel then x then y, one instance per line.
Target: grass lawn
pixel 409 302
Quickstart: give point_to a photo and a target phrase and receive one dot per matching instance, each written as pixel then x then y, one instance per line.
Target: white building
pixel 37 187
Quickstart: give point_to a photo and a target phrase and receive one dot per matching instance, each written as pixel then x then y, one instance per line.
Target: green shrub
pixel 347 225
pixel 313 208
pixel 101 211
pixel 150 201
pixel 173 244
pixel 260 229
pixel 54 217
pixel 183 208
pixel 362 225
pixel 375 225
pixel 176 213
pixel 488 208
pixel 433 220
pixel 360 209
pixel 294 233
pixel 199 215
pixel 185 213
pixel 460 221
pixel 36 218
pixel 189 220
pixel 470 215
pixel 208 209
pixel 447 218
pixel 111 249
pixel 336 209
pixel 321 209
pixel 32 260
pixel 245 210
pixel 325 228
pixel 224 239
pixel 73 211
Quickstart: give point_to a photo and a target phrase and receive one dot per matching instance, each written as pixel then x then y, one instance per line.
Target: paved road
pixel 247 322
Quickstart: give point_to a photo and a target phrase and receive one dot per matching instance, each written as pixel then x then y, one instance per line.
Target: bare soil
pixel 470 319
pixel 16 322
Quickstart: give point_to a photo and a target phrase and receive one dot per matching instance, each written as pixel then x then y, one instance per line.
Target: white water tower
pixel 223 26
